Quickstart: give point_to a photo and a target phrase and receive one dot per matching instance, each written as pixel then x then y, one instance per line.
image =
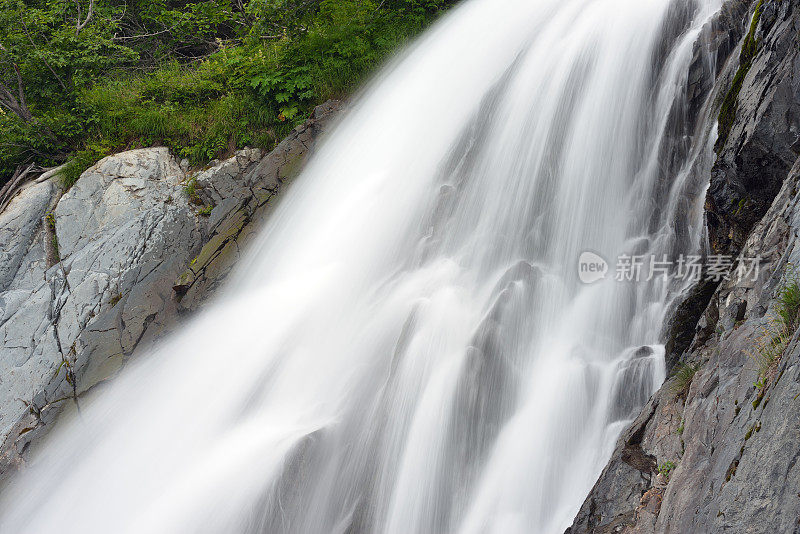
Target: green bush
pixel 201 78
pixel 82 160
pixel 788 300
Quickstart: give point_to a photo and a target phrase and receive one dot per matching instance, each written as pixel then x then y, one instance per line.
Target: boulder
pixel 88 276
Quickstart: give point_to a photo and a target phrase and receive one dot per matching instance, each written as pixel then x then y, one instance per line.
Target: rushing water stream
pixel 408 348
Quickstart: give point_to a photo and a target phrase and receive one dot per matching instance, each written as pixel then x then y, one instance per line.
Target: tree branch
pixel 33 43
pixel 19 177
pixel 83 24
pixel 145 35
pixel 21 92
pixel 16 105
pixel 19 108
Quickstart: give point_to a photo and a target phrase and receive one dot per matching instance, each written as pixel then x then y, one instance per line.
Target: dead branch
pixel 83 24
pixel 19 178
pixel 15 104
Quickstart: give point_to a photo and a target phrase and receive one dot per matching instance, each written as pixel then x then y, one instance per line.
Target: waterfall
pixel 409 347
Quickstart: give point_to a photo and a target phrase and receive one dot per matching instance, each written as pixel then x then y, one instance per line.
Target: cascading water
pixel 409 347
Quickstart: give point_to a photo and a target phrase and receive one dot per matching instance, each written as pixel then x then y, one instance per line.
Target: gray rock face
pixel 739 469
pixel 760 148
pixel 763 140
pixel 734 444
pixel 87 278
pixel 115 236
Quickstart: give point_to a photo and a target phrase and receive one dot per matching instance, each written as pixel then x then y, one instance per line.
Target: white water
pixel 408 348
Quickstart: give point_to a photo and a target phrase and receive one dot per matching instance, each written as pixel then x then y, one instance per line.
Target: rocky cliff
pixel 90 276
pixel 716 448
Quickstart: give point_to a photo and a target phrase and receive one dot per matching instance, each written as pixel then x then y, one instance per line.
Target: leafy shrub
pixel 83 159
pixel 191 192
pixel 203 78
pixel 788 300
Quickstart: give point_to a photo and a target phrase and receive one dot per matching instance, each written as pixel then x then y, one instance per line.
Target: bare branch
pixel 144 35
pixel 13 184
pixel 15 104
pixel 21 91
pixel 8 101
pixel 82 25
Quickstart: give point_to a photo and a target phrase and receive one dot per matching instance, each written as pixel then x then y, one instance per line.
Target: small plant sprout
pixel 666 469
pixel 192 192
pixel 779 330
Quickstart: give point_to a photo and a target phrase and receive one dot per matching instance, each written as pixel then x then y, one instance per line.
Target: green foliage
pixel 769 348
pixel 730 104
pixel 82 160
pixel 50 219
pixel 288 89
pixel 788 300
pixel 191 192
pixel 776 336
pixel 203 78
pixel 666 469
pixel 682 378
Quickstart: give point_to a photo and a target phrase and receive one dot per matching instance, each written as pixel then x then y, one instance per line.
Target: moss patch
pixel 730 104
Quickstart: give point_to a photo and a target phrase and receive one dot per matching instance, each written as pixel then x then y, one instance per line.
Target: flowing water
pixel 409 348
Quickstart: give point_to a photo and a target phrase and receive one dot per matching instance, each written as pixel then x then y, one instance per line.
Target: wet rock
pixel 735 445
pixel 683 323
pixel 240 189
pixel 612 502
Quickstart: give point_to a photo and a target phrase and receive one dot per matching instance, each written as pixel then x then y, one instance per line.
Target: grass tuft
pixel 682 378
pixel 83 159
pixel 776 336
pixel 666 469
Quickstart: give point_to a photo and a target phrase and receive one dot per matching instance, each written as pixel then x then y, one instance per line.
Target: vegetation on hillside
pixel 82 78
